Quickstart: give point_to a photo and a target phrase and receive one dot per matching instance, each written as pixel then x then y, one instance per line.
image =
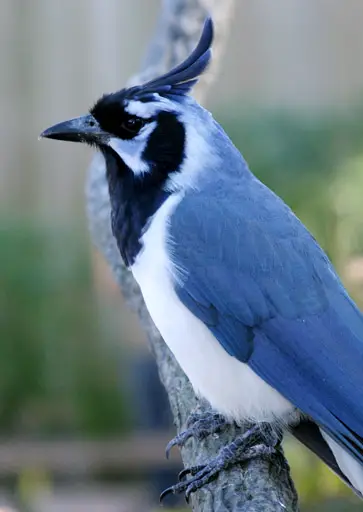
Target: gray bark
pixel 258 485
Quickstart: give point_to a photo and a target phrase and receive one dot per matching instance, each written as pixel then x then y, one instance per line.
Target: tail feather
pixel 309 434
pixel 350 466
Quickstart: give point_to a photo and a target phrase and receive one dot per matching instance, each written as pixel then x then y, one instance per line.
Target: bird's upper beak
pixel 79 129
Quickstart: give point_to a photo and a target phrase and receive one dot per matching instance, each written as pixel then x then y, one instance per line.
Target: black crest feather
pixel 175 84
pixel 178 81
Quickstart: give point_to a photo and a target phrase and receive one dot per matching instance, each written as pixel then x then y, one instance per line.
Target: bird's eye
pixel 133 124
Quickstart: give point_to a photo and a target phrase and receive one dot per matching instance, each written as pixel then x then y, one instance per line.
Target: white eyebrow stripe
pixel 148 109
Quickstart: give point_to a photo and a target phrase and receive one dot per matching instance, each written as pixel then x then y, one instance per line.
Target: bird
pixel 241 292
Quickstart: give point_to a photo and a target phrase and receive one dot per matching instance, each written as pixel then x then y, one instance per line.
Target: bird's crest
pixel 177 82
pixel 183 77
pixel 173 85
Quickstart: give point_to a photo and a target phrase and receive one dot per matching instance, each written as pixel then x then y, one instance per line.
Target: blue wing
pixel 263 286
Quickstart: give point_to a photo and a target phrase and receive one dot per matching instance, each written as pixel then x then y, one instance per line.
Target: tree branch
pixel 258 485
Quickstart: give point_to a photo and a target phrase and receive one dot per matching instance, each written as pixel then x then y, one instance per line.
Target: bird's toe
pixel 261 441
pixel 199 426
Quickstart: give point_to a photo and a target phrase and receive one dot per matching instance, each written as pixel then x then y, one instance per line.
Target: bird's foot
pixel 199 426
pixel 260 441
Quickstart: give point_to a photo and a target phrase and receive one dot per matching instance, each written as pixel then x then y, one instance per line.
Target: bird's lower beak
pixel 81 129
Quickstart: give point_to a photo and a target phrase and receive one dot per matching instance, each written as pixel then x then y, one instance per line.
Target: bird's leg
pixel 259 441
pixel 199 425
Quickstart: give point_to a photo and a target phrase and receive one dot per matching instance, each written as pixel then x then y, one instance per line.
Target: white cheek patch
pixel 130 151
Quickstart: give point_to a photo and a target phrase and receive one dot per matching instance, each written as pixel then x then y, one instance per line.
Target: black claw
pixel 198 426
pixel 174 489
pixel 169 490
pixel 188 486
pixel 183 474
pixel 188 492
pixel 178 440
pixel 168 448
pixel 193 470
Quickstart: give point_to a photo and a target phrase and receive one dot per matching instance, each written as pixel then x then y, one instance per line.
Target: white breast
pixel 230 386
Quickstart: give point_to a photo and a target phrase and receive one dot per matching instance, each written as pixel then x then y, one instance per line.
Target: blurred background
pixel 83 420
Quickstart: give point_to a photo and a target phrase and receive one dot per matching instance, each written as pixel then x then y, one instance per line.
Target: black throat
pixel 136 198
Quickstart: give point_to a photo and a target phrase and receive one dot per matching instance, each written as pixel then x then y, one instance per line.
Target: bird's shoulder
pixel 240 205
pixel 238 236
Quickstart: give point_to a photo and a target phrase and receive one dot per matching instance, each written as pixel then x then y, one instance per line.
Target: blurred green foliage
pixel 58 374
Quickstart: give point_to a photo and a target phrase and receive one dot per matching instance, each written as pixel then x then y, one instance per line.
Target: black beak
pixel 80 129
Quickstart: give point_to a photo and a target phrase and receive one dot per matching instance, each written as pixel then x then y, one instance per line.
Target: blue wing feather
pixel 269 294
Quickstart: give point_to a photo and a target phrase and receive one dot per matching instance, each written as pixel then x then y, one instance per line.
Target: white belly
pixel 230 386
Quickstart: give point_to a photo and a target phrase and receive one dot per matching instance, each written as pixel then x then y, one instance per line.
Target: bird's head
pixel 153 138
pixel 146 126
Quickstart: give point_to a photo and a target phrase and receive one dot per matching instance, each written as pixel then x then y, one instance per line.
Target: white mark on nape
pixel 130 151
pixel 199 156
pixel 147 109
